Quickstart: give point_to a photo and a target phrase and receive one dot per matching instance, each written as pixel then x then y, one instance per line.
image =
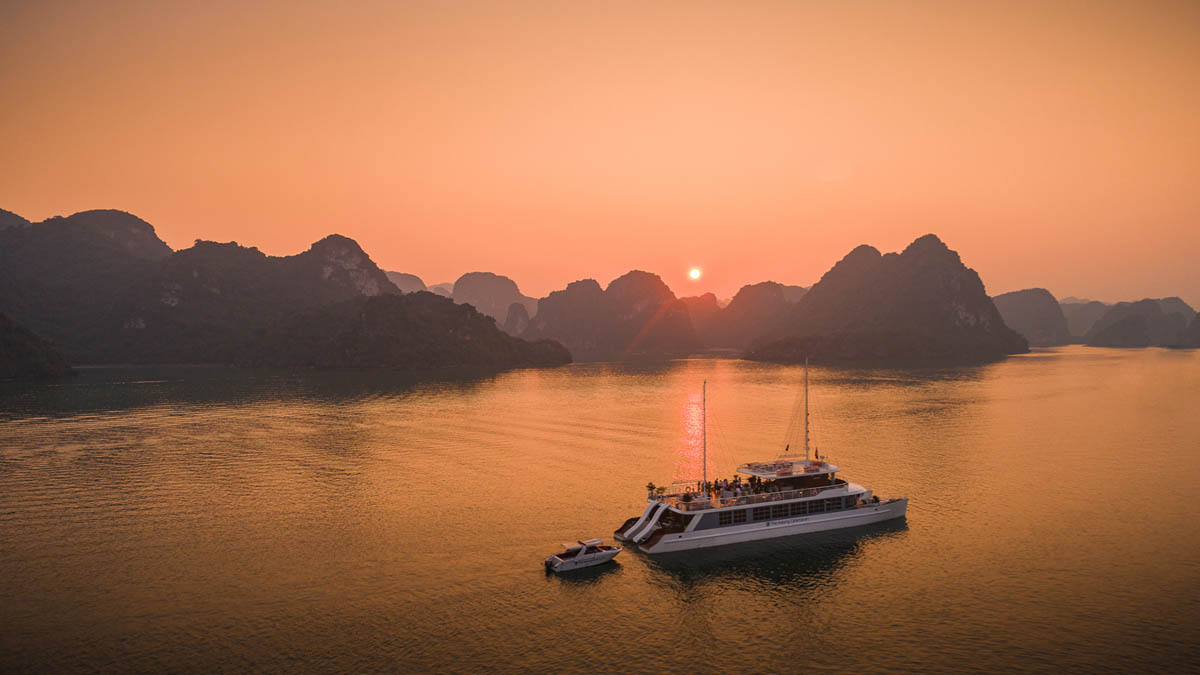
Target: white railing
pixel 699 502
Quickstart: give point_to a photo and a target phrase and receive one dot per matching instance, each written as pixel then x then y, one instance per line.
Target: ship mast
pixel 806 408
pixel 704 426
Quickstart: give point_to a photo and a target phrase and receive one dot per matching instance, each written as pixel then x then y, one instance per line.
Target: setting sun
pixel 694 273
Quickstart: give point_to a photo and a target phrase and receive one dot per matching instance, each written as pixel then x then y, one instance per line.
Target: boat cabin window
pixel 762 513
pixel 834 504
pixel 816 506
pixel 725 518
pixel 739 516
pixel 779 510
pixel 799 508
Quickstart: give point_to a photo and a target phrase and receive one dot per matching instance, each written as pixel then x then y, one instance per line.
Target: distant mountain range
pixel 517 321
pixel 413 332
pixel 637 315
pixel 919 306
pixel 1036 315
pixel 446 290
pixel 106 288
pixel 68 278
pixel 491 294
pixel 1081 316
pixel 1163 322
pixel 102 287
pixel 407 283
pixel 756 310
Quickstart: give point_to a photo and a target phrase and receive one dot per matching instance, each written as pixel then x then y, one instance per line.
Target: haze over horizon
pixel 1050 146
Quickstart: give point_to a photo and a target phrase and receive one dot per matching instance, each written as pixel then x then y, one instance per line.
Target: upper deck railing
pixel 700 503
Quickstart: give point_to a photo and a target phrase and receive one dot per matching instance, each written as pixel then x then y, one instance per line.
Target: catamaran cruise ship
pixel 779 498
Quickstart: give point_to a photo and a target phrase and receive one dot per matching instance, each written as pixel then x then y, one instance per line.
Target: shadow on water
pixel 903 377
pixel 634 366
pixel 787 560
pixel 868 376
pixel 133 387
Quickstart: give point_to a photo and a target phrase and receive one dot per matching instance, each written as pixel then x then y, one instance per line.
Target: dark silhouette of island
pixel 919 306
pixel 9 219
pixel 705 312
pixel 637 315
pixel 1146 323
pixel 1081 316
pixel 491 294
pixel 794 293
pixel 407 283
pixel 446 289
pixel 25 354
pixel 205 303
pixel 756 310
pixel 416 331
pixel 1191 336
pixel 1036 315
pixel 64 278
pixel 103 286
pixel 517 321
pixel 1176 305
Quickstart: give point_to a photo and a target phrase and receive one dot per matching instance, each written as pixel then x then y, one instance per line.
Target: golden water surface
pixel 210 520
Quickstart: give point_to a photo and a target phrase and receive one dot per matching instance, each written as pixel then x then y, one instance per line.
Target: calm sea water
pixel 212 520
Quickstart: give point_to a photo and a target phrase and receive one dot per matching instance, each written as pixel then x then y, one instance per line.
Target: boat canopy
pixel 583 543
pixel 787 468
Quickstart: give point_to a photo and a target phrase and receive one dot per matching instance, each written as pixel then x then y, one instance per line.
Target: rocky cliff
pixel 794 293
pixel 705 313
pixel 1036 315
pixel 1176 305
pixel 1191 336
pixel 134 235
pixel 103 284
pixel 9 219
pixel 417 332
pixel 636 315
pixel 919 306
pixel 407 283
pixel 1140 324
pixel 24 354
pixel 756 310
pixel 64 277
pixel 491 294
pixel 1081 316
pixel 205 303
pixel 517 321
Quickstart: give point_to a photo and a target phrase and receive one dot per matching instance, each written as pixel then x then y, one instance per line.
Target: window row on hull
pixel 786 510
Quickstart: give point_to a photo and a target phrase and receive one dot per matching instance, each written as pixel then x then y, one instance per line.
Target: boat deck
pixel 567 555
pixel 676 501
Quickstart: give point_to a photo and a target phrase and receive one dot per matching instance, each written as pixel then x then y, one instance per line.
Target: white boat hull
pixel 783 527
pixel 579 562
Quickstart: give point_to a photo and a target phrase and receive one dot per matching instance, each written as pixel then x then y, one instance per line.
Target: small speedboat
pixel 583 553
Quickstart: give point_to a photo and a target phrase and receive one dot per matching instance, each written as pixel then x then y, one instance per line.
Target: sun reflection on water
pixel 689 452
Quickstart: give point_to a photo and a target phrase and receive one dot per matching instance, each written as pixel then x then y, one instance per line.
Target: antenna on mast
pixel 806 408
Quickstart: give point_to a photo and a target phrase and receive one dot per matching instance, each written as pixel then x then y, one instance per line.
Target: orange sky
pixel 1051 146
